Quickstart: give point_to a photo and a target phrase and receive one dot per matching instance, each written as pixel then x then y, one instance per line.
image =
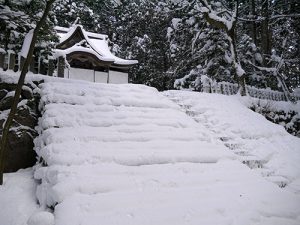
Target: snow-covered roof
pixel 98 45
pixel 64 33
pixel 60 52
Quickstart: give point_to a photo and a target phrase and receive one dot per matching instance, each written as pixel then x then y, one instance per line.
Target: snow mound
pixel 41 218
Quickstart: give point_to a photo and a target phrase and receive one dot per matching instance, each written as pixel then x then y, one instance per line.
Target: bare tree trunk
pixel 239 72
pixel 265 31
pixel 19 89
pixel 254 26
pixel 240 78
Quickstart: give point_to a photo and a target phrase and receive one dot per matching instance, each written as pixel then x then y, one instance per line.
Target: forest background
pixel 177 42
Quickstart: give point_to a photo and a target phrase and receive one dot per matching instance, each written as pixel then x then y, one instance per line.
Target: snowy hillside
pixel 127 154
pixel 262 145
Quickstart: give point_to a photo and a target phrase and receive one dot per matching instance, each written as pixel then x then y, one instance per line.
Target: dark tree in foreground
pixel 13 109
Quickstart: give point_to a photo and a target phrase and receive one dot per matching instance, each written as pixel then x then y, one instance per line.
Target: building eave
pixel 97 43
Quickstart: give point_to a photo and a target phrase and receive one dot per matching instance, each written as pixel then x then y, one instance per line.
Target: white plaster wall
pixel 118 77
pixel 101 77
pixel 81 74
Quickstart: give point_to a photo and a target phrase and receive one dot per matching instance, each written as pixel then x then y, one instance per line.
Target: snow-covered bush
pixel 286 114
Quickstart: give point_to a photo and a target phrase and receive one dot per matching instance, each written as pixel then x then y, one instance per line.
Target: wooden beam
pixel 61 67
pixel 51 67
pixel 12 61
pixel 2 57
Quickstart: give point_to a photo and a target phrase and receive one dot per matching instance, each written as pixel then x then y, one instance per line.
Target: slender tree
pixel 18 90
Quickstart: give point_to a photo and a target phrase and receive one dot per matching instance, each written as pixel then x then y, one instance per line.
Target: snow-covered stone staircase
pixel 126 154
pixel 222 115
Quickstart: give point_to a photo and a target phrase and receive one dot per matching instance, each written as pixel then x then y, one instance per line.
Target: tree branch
pixel 13 109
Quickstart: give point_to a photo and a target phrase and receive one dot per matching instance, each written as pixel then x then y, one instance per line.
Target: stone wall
pixel 19 152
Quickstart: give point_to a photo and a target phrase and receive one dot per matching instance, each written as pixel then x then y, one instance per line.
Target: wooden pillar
pixel 108 71
pixel 222 88
pixel 39 64
pixel 61 66
pixel 32 65
pixel 229 90
pixel 22 60
pixel 12 61
pixel 43 69
pixel 51 67
pixel 2 56
pixel 127 71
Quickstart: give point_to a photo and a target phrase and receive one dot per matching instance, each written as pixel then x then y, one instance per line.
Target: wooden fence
pixel 13 61
pixel 227 88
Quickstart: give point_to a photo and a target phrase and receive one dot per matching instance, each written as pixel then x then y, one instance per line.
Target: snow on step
pixel 125 154
pixel 259 143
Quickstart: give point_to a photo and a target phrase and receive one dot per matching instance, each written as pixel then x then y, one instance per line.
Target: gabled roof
pixel 70 39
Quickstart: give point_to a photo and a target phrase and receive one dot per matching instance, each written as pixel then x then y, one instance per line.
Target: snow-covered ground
pixel 18 198
pixel 126 154
pixel 262 145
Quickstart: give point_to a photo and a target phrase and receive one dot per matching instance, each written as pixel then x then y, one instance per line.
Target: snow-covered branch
pixel 265 69
pixel 283 16
pixel 261 18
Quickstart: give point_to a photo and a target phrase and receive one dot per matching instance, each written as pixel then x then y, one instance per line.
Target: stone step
pixel 252 162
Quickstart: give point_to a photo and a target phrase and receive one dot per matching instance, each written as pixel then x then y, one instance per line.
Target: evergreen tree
pixel 17 18
pixel 14 24
pixel 141 33
pixel 267 44
pixel 95 16
pixel 197 50
pixel 177 39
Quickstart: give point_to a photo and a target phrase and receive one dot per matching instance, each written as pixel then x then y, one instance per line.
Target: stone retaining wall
pixel 20 153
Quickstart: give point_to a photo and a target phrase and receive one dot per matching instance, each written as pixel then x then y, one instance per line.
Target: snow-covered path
pixel 17 198
pixel 262 145
pixel 125 154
